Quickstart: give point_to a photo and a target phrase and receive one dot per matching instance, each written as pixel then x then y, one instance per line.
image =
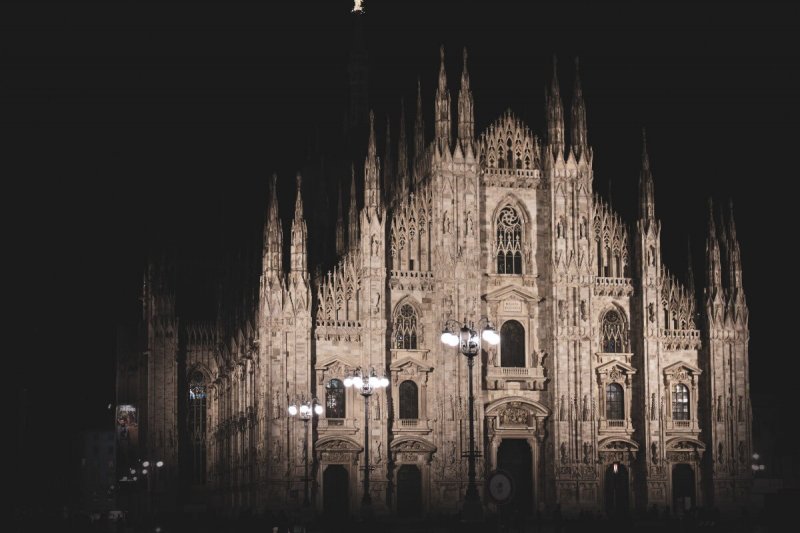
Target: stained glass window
pixel 614 335
pixel 508 246
pixel 405 328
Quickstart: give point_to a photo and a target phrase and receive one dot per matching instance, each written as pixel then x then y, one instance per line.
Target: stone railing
pixel 681 339
pixel 615 423
pixel 604 286
pixel 499 377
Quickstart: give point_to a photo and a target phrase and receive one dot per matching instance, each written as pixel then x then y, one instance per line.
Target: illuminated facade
pixel 609 389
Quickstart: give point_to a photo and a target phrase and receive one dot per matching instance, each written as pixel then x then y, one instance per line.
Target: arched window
pixel 508 246
pixel 615 406
pixel 334 399
pixel 409 400
pixel 613 331
pixel 197 426
pixel 680 402
pixel 405 328
pixel 512 344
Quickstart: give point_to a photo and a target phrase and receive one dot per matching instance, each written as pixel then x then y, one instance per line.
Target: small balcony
pixel 411 425
pixel 511 378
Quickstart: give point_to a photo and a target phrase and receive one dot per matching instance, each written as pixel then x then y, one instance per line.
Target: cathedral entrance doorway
pixel 682 487
pixel 409 492
pixel 616 485
pixel 335 490
pixel 515 457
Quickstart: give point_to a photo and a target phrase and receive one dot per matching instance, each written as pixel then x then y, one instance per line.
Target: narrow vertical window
pixel 512 344
pixel 680 402
pixel 615 406
pixel 334 399
pixel 409 400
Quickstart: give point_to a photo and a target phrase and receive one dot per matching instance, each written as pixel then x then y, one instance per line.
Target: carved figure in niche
pixel 651 255
pixel 561 311
pixel 587 452
pixel 583 310
pixel 563 451
pixel 560 227
pixel 719 453
pixel 654 453
pixel 542 356
pixel 377 455
pixel 651 312
pixel 719 408
pixel 561 413
pixel 494 352
pixel 453 411
pixel 582 230
pixel 276 451
pixel 585 409
pixel 447 225
pixel 469 223
pixel 742 456
pixel 376 302
pixel 740 410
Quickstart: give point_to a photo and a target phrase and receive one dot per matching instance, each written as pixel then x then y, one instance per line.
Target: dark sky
pixel 127 123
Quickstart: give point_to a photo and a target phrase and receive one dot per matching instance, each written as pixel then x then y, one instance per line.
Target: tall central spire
pixel 555 115
pixel 402 152
pixel 419 138
pixel 443 120
pixel 372 186
pixel 579 136
pixel 713 265
pixel 647 204
pixel 299 234
pixel 273 233
pixel 466 114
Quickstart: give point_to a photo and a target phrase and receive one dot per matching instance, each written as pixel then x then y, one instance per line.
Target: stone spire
pixel 299 251
pixel 690 269
pixel 466 113
pixel 353 231
pixel 555 115
pixel 647 205
pixel 578 138
pixel 340 245
pixel 402 152
pixel 419 138
pixel 388 167
pixel 443 120
pixel 713 264
pixel 273 233
pixel 372 185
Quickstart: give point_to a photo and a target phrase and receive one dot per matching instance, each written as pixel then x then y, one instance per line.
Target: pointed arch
pixel 510 222
pixel 406 330
pixel 614 330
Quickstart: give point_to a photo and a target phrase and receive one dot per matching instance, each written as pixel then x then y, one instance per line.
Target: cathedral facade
pixel 610 389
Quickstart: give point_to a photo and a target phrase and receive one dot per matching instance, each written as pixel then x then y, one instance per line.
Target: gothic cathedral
pixel 609 389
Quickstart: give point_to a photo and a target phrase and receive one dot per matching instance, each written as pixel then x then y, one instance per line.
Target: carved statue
pixel 563 451
pixel 654 453
pixel 651 312
pixel 469 222
pixel 583 310
pixel 720 453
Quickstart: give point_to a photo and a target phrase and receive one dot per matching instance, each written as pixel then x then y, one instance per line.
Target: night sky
pixel 131 124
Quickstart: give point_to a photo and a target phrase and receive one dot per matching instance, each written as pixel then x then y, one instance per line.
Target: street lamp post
pixel 305 410
pixel 366 385
pixel 468 341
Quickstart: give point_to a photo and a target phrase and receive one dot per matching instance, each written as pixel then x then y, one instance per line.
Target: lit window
pixel 680 402
pixel 334 399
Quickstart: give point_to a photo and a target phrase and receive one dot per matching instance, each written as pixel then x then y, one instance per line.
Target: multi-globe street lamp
pixel 305 411
pixel 464 335
pixel 366 384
